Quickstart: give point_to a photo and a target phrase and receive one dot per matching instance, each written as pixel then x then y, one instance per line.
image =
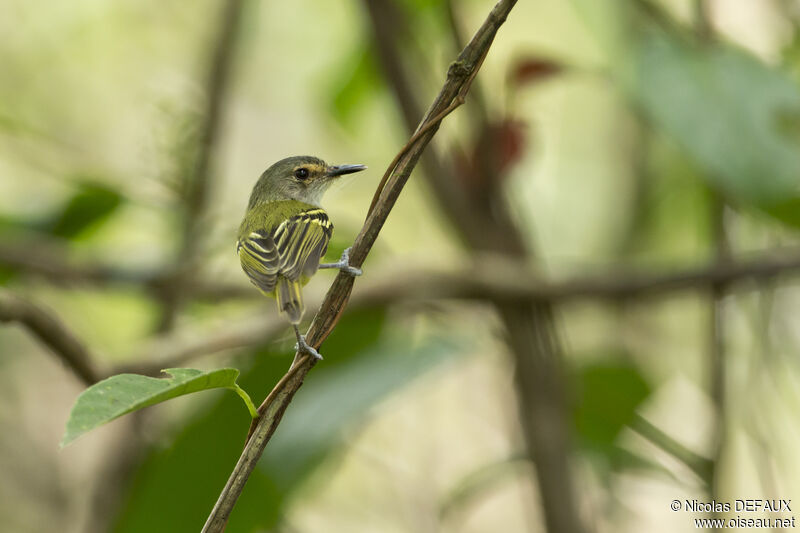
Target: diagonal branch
pixel 44 325
pixel 459 76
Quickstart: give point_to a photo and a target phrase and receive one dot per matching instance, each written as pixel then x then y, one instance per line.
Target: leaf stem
pixel 246 398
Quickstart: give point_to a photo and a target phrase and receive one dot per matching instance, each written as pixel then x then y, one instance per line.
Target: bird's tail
pixel 290 299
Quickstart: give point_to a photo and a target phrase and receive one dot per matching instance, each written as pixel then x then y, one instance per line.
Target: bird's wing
pixel 259 259
pixel 293 249
pixel 302 241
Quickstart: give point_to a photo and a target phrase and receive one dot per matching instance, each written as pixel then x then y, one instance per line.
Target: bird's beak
pixel 341 170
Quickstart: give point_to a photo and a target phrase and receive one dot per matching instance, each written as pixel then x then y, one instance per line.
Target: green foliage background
pixel 410 423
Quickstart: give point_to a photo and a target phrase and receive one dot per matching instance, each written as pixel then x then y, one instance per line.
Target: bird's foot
pixel 303 347
pixel 343 264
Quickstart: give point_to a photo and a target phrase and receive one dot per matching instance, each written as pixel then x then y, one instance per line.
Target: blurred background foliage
pixel 659 135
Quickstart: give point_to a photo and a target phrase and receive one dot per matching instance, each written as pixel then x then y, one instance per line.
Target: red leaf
pixel 499 147
pixel 532 70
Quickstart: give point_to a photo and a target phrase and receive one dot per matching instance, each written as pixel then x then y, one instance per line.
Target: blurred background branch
pixel 199 183
pixel 52 332
pixel 492 278
pixel 489 276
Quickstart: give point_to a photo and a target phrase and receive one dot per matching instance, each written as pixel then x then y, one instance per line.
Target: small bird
pixel 285 233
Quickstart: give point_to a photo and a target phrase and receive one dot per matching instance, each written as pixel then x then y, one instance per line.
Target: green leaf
pixel 124 393
pixel 608 394
pixel 420 5
pixel 212 436
pixel 90 206
pixel 735 116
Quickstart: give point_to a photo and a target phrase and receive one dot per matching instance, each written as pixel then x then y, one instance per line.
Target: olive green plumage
pixel 285 233
pixel 280 246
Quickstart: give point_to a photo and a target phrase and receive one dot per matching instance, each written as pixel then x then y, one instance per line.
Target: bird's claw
pixel 303 347
pixel 353 271
pixel 343 264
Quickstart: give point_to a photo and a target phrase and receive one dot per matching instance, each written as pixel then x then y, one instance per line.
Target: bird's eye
pixel 301 173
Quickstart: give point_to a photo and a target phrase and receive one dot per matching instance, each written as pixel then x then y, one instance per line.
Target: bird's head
pixel 303 178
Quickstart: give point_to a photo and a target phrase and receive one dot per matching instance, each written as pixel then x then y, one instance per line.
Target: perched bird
pixel 285 233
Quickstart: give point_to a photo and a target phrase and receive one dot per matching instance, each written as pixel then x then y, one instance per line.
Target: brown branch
pixel 199 183
pixel 459 75
pixel 426 127
pixel 478 106
pixel 44 325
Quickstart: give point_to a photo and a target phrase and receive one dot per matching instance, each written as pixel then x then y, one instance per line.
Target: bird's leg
pixel 303 346
pixel 343 264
